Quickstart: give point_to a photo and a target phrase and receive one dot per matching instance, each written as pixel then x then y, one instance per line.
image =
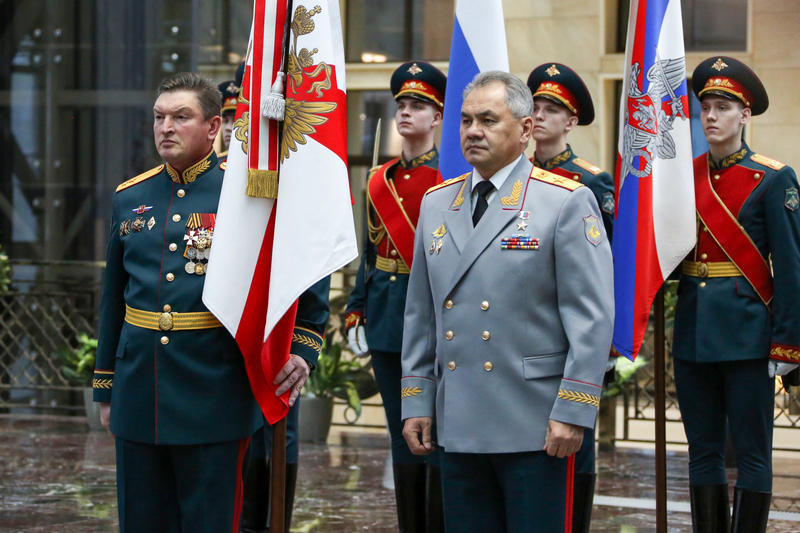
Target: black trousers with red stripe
pixel 180 488
pixel 507 492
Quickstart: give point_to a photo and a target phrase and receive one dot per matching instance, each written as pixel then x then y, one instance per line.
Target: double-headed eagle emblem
pixel 647 124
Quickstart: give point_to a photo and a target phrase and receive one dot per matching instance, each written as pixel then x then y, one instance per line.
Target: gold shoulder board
pixel 584 164
pixel 767 161
pixel 555 179
pixel 448 183
pixel 140 178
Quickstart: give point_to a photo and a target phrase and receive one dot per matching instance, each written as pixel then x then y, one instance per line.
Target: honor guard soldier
pixel 561 101
pixel 230 96
pixel 374 317
pixel 171 380
pixel 508 323
pixel 733 331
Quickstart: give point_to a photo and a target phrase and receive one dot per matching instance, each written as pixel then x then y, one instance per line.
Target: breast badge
pixel 440 232
pixel 142 209
pixel 124 228
pixel 593 234
pixel 151 223
pixel 523 216
pixel 138 224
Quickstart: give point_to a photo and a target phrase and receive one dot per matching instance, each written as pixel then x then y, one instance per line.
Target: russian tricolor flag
pixel 478 45
pixel 655 216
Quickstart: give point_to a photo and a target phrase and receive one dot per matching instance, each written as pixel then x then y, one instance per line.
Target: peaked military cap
pixel 730 78
pixel 421 80
pixel 230 93
pixel 562 85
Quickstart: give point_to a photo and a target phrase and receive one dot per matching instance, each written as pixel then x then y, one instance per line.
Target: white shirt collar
pixel 498 179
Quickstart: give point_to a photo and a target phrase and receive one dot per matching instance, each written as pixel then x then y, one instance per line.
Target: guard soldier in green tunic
pixel 374 318
pixel 171 379
pixel 230 96
pixel 733 331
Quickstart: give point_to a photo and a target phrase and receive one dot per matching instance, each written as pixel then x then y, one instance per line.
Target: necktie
pixel 484 188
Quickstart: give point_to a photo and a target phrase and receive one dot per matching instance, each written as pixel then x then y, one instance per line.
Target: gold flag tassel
pixel 262 183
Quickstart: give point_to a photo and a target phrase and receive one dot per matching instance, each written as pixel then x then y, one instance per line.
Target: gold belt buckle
pixel 702 270
pixel 165 321
pixel 392 265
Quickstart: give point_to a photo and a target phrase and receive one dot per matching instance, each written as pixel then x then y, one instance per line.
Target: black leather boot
pixel 434 508
pixel 409 492
pixel 255 500
pixel 750 511
pixel 291 485
pixel 582 501
pixel 710 508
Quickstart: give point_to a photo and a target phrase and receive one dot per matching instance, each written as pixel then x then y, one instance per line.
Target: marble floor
pixel 56 476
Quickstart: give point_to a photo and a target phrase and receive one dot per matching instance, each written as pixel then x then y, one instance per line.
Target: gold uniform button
pixel 716 176
pixel 485 335
pixel 181 193
pixel 449 335
pixel 702 284
pixel 485 306
pixel 164 340
pixel 173 247
pixel 448 304
pixel 451 365
pixel 487 366
pixel 393 253
pixel 756 176
pixel 704 256
pixel 170 276
pixel 176 218
pixel 705 229
pixel 167 308
pixel 407 176
pixel 393 279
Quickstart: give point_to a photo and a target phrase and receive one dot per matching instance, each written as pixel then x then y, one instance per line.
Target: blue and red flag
pixel 655 211
pixel 478 45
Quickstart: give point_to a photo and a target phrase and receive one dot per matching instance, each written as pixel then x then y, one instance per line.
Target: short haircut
pixel 519 99
pixel 208 96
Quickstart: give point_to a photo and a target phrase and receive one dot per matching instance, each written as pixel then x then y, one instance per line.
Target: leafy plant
pixel 336 376
pixel 77 364
pixel 5 272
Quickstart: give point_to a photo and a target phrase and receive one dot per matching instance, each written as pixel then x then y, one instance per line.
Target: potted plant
pixel 77 367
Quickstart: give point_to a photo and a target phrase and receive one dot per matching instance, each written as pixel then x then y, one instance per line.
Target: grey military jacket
pixel 507 324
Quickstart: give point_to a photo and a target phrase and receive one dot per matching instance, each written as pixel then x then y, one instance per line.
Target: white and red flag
pixel 294 226
pixel 654 227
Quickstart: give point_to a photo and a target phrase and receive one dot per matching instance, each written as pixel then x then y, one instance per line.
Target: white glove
pixel 779 368
pixel 612 363
pixel 357 339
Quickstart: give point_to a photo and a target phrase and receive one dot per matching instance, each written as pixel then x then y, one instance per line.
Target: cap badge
pixel 414 70
pixel 719 65
pixel 552 71
pixel 232 88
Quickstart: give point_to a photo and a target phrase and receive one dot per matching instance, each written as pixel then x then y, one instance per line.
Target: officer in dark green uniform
pixel 171 379
pixel 374 318
pixel 230 96
pixel 737 320
pixel 561 101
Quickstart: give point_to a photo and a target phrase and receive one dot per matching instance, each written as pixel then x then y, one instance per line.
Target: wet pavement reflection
pixel 56 476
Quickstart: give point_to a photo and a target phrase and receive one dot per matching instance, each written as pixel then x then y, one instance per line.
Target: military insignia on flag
pixel 792 201
pixel 608 203
pixel 593 234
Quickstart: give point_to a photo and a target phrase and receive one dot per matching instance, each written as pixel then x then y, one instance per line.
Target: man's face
pixel 416 118
pixel 228 118
pixel 491 138
pixel 551 121
pixel 722 119
pixel 182 136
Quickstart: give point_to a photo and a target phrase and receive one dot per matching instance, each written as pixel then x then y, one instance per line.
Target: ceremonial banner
pixel 478 45
pixel 269 251
pixel 655 211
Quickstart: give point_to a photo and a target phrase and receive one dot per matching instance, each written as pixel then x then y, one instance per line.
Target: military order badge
pixel 792 201
pixel 593 234
pixel 198 239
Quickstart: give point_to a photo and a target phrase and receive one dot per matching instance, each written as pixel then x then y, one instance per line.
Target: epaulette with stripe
pixel 767 161
pixel 555 179
pixel 447 183
pixel 140 178
pixel 584 164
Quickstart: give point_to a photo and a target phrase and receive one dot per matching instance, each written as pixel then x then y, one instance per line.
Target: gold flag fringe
pixel 262 183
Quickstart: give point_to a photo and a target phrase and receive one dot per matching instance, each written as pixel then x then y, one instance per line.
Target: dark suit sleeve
pixel 783 227
pixel 112 313
pixel 585 288
pixel 313 311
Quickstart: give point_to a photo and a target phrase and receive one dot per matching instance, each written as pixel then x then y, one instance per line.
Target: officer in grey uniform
pixel 504 350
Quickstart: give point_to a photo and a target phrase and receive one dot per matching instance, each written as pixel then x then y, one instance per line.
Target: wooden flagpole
pixel 661 416
pixel 277 482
